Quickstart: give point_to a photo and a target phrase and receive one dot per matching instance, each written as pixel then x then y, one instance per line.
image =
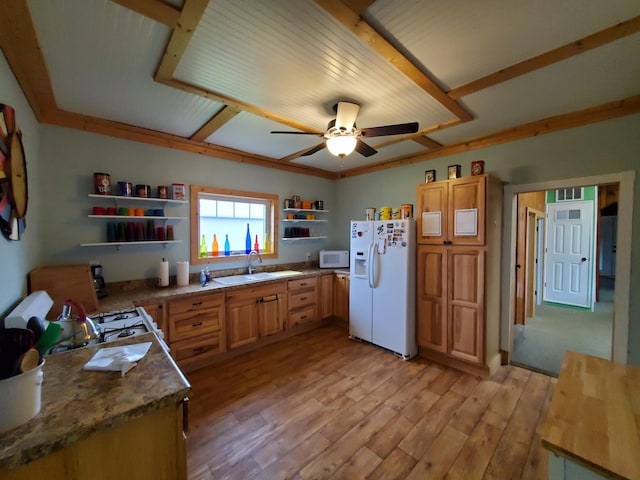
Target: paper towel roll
pixel 163 273
pixel 183 274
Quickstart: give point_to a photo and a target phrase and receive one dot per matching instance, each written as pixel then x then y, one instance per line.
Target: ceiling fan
pixel 342 135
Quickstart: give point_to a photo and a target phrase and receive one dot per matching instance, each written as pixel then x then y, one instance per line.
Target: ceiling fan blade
pixel 313 150
pixel 398 129
pixel 300 133
pixel 346 115
pixel 364 149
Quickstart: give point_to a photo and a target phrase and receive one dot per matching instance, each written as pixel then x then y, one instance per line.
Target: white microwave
pixel 334 258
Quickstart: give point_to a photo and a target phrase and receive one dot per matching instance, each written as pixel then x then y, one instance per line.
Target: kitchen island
pixel 592 429
pixel 99 425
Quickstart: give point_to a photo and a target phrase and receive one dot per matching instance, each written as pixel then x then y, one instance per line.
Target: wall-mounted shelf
pixel 303 210
pixel 141 242
pixel 293 239
pixel 137 199
pixel 136 217
pixel 297 220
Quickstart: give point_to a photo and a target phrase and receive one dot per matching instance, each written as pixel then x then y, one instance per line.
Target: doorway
pixel 559 278
pixel 514 260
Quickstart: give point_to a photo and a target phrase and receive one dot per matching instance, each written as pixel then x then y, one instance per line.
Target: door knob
pixel 583 259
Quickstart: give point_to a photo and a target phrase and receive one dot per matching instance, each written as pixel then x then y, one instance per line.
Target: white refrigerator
pixel 382 284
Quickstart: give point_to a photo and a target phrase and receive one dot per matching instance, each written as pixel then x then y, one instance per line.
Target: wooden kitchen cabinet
pixel 196 329
pixel 254 313
pixel 156 312
pixel 325 307
pixel 303 308
pixel 458 276
pixel 341 296
pixel 452 212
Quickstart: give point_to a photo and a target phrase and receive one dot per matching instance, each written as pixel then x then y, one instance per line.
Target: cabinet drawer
pixel 302 316
pixel 195 304
pixel 205 345
pixel 309 282
pixel 298 299
pixel 189 325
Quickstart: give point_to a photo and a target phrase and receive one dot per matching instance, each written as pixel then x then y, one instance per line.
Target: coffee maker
pixel 98 281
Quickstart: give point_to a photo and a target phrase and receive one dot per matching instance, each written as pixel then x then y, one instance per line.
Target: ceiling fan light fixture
pixel 341 145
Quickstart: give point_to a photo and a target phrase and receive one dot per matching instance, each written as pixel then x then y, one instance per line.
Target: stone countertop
pixel 77 402
pixel 141 294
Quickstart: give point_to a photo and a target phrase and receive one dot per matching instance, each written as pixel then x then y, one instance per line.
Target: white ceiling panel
pixel 598 76
pixel 250 133
pixel 297 62
pixel 459 41
pixel 101 59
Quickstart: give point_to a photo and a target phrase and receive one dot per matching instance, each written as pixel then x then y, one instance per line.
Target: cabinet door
pixel 466 303
pixel 341 296
pixel 270 319
pixel 156 311
pixel 326 296
pixel 431 298
pixel 242 322
pixel 432 199
pixel 467 210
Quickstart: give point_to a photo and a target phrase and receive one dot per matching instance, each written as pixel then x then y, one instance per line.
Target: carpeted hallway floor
pixel 540 343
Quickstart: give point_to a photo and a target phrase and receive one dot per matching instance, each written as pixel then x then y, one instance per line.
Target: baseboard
pixel 483 371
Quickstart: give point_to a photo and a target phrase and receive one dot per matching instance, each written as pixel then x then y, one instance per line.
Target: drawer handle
pixel 304 284
pixel 303 317
pixel 199 324
pixel 198 349
pixel 270 298
pixel 196 304
pixel 303 298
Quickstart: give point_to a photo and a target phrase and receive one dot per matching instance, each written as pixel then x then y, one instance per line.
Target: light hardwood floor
pixel 322 406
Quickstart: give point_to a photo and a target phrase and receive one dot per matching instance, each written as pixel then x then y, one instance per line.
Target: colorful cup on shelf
pixel 111 211
pixel 123 211
pixel 170 232
pixel 97 211
pixel 132 212
pixel 139 212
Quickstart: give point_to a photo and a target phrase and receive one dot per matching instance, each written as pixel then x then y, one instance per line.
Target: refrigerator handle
pixel 371 266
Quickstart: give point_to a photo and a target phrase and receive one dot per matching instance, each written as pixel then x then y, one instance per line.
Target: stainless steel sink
pixel 255 277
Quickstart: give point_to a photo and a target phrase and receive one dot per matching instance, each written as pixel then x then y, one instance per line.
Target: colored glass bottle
pixel 266 243
pixel 203 248
pixel 256 245
pixel 214 246
pixel 247 241
pixel 227 247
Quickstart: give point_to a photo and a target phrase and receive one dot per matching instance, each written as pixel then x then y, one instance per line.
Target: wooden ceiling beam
pixel 19 43
pixel 600 113
pixel 154 9
pixel 590 42
pixel 153 137
pixel 190 16
pixel 225 114
pixel 356 24
pixel 427 142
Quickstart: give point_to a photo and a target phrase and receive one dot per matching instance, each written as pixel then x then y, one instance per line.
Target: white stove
pixel 119 324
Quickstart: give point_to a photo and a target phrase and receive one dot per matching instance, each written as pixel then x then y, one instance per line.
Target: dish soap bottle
pixel 203 248
pixel 227 247
pixel 214 247
pixel 247 242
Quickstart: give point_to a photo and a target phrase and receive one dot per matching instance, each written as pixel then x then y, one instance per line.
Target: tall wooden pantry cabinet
pixel 458 272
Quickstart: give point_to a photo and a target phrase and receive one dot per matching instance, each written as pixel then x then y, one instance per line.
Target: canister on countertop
pixel 385 213
pixel 102 183
pixel 407 210
pixel 370 214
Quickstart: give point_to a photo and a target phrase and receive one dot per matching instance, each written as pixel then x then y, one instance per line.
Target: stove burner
pixel 126 333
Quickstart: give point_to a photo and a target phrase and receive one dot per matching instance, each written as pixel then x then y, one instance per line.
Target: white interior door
pixel 568 253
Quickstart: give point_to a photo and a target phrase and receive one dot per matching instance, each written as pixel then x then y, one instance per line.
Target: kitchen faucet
pixel 253 252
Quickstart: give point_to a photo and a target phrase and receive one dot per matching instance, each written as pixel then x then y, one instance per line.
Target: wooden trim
pixel 352 21
pixel 589 42
pixel 20 45
pixel 154 9
pixel 153 137
pixel 600 113
pixel 190 16
pixel 225 114
pixel 482 371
